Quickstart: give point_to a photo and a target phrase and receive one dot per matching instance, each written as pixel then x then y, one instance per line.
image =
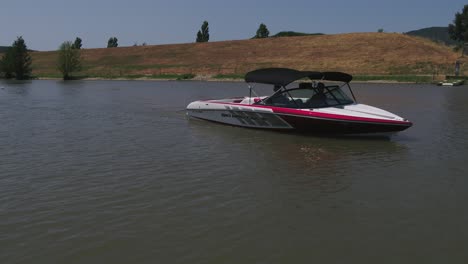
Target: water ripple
pixel 96 172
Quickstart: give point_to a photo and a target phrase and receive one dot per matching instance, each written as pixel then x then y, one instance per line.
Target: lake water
pixel 114 172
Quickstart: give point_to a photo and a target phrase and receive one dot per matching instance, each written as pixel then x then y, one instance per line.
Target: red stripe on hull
pixel 306 113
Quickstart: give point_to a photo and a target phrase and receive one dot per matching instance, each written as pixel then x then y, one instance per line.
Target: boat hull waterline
pixel 331 120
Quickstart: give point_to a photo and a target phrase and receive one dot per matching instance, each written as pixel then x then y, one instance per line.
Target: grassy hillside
pixel 437 34
pixel 357 53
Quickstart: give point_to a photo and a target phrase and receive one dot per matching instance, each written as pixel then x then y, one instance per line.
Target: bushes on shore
pixel 16 62
pixel 69 59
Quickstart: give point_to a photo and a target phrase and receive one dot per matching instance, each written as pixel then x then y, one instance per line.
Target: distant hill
pixel 294 34
pixel 3 49
pixel 437 34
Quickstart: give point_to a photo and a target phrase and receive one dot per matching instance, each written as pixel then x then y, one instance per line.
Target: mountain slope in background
pixel 294 34
pixel 438 34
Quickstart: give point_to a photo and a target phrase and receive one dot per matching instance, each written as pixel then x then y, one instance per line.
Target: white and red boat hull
pixel 348 119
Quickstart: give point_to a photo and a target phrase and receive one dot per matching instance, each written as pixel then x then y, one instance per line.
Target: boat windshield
pixel 308 97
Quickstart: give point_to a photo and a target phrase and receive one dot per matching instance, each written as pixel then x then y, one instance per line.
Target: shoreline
pixel 211 79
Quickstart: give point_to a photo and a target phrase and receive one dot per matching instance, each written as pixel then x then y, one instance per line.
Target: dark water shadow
pixel 16 86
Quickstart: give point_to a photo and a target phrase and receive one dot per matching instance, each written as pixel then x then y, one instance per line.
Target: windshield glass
pixel 309 97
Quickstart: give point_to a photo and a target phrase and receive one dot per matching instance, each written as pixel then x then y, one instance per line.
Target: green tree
pixel 112 42
pixel 380 30
pixel 69 59
pixel 6 64
pixel 77 43
pixel 262 31
pixel 459 29
pixel 16 62
pixel 203 34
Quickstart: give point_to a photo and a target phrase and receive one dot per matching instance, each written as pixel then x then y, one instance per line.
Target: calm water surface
pixel 113 172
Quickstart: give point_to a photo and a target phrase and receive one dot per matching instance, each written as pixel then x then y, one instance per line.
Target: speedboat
pixel 451 82
pixel 315 104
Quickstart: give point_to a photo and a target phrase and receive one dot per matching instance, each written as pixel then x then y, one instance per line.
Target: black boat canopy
pixel 284 76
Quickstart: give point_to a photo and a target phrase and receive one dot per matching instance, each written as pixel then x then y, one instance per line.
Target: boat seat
pixel 304 85
pixel 300 103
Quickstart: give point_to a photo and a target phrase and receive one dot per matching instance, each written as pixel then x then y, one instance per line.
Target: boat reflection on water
pixel 302 163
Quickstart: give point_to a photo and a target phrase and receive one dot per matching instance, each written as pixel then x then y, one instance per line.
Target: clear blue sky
pixel 44 24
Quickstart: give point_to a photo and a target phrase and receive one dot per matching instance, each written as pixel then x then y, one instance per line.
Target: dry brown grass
pixel 356 53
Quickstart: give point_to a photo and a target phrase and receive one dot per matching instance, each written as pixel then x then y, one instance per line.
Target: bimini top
pixel 284 76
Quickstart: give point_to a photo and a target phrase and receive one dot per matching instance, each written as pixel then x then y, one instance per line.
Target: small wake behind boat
pixel 310 107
